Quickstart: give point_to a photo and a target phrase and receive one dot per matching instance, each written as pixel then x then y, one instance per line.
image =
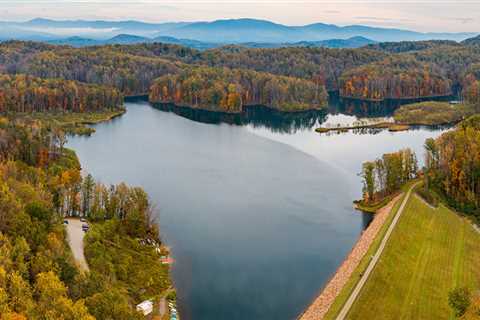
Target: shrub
pixel 459 299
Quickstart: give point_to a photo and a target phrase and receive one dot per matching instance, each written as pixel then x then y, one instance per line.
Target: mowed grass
pixel 430 252
pixel 351 283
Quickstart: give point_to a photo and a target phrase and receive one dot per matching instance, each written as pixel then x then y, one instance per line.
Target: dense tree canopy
pixel 387 174
pixel 23 93
pixel 453 165
pixel 40 183
pixel 408 46
pixel 130 74
pixel 321 65
pixel 223 89
pixel 381 71
pixel 394 78
pixel 453 61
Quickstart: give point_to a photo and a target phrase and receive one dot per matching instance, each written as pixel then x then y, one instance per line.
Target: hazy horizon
pixel 422 16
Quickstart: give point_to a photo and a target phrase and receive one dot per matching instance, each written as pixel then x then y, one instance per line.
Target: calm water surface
pixel 257 209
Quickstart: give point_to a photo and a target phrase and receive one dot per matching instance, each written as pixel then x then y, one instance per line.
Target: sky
pixel 426 15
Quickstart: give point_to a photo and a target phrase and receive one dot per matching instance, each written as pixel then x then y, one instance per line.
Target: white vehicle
pixel 146 307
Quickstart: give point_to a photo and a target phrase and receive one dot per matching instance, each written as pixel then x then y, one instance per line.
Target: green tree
pixel 369 183
pixel 20 294
pixel 459 300
pixel 52 300
pixel 88 186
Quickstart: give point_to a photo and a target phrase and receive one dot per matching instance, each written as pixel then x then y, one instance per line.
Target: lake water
pixel 257 208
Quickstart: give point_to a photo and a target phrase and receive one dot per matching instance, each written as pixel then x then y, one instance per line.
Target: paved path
pixel 353 296
pixel 75 236
pixel 323 302
pixel 162 307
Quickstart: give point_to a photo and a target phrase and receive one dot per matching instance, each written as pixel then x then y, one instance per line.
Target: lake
pixel 257 208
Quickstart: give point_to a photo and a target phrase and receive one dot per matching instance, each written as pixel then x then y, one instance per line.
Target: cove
pixel 258 213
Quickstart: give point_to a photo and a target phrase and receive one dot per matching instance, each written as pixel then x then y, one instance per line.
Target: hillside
pixel 442 250
pixel 472 41
pixel 219 31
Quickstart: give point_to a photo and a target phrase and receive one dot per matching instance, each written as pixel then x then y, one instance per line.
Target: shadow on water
pixel 258 116
pixel 291 122
pixel 372 109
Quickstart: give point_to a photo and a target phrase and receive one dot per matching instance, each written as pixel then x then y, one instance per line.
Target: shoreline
pixel 239 112
pixel 439 96
pixel 391 126
pixel 322 303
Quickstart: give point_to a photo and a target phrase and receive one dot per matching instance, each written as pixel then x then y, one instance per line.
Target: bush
pixel 459 299
pixel 428 197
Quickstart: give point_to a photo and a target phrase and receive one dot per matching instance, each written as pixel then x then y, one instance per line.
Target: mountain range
pixel 75 41
pixel 232 31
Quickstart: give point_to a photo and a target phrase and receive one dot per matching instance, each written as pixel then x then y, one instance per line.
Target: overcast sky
pixel 426 15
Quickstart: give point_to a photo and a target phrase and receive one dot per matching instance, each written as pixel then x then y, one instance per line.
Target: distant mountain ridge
pixel 232 31
pixel 250 30
pixel 472 41
pixel 75 41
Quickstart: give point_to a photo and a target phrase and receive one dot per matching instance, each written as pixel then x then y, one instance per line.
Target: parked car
pixel 65 221
pixel 85 227
pixel 83 220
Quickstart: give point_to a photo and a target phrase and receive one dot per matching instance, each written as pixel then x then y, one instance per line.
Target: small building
pixel 146 307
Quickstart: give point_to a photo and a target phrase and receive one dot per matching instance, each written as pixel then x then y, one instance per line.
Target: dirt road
pixel 75 236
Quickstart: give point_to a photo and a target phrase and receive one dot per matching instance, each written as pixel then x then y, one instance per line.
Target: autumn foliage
pixel 394 78
pixel 453 166
pixel 223 89
pixel 40 184
pixel 23 93
pixel 386 175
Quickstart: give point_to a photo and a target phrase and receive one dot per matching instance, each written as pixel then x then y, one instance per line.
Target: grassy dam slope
pixel 430 252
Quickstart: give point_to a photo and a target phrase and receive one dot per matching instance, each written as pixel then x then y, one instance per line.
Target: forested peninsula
pixel 286 79
pixel 229 90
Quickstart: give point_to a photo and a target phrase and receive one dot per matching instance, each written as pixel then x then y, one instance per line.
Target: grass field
pixel 71 122
pixel 349 286
pixel 432 113
pixel 430 252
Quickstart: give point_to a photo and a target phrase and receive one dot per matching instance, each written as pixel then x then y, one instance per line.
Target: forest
pixel 453 166
pixel 376 72
pixel 394 78
pixel 40 183
pixel 24 93
pixel 229 90
pixel 130 74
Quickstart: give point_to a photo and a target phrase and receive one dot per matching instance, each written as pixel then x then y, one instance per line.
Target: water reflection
pixel 258 116
pixel 340 111
pixel 372 109
pixel 367 218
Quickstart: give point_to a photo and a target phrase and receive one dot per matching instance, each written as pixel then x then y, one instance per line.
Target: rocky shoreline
pixel 320 306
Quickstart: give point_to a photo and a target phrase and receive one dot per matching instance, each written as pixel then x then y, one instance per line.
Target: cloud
pixel 382 19
pixel 332 11
pixel 463 20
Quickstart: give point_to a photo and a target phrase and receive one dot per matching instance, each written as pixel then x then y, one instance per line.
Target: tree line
pixel 391 70
pixel 229 90
pixel 130 74
pixel 386 175
pixel 394 78
pixel 25 93
pixel 453 166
